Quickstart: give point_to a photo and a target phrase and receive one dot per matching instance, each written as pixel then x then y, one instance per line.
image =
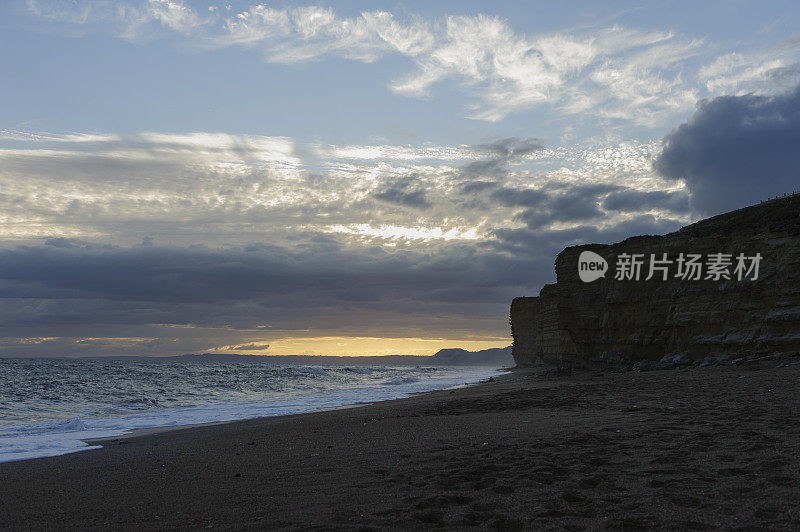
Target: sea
pixel 49 407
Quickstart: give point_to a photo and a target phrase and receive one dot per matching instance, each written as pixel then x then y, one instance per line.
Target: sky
pixel 360 178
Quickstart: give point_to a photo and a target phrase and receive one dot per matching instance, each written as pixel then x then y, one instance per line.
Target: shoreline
pixel 96 431
pixel 692 448
pixel 147 431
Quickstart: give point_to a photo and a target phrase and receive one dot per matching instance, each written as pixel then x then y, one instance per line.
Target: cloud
pixel 495 168
pixel 555 204
pixel 523 241
pixel 494 160
pixel 212 188
pixel 174 14
pixel 576 206
pixel 477 186
pixel 250 347
pixel 511 148
pixel 610 74
pixel 67 243
pixel 404 192
pixel 519 197
pixel 312 32
pixel 164 243
pixel 188 293
pixel 735 150
pixel 630 200
pixel 129 20
pixel 772 68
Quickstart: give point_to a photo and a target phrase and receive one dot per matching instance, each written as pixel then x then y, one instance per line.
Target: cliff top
pixel 775 214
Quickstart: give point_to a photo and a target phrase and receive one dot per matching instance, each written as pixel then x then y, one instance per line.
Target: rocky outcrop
pixel 623 321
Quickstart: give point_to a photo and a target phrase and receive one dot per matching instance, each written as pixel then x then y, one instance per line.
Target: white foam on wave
pixel 52 438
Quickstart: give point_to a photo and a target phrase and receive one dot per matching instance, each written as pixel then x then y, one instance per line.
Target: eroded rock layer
pixel 611 321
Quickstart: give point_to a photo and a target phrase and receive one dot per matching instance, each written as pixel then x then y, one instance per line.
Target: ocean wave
pixel 99 400
pixel 309 370
pixel 138 403
pixel 69 425
pixel 361 370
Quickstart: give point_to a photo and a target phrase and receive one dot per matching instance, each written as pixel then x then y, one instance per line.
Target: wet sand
pixel 689 449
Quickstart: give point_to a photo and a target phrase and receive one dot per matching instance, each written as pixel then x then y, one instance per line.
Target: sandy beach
pixel 690 449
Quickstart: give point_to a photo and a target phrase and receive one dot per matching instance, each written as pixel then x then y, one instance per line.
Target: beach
pixel 689 449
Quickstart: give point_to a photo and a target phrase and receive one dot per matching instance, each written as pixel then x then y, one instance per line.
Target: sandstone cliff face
pixel 610 321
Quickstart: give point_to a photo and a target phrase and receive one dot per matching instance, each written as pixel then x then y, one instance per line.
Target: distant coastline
pixel 496 357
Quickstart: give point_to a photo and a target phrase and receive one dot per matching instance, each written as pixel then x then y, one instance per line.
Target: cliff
pixel 677 320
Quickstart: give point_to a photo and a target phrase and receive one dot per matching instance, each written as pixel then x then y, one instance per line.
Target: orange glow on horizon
pixel 363 346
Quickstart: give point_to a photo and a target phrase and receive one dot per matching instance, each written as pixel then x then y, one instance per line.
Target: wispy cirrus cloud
pixel 616 74
pixel 735 73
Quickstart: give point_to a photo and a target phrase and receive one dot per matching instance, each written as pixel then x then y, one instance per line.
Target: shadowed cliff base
pixel 664 322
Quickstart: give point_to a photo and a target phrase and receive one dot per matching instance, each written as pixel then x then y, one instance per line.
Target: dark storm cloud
pixel 404 191
pixel 555 204
pixel 630 200
pixel 562 208
pixel 571 207
pixel 553 196
pixel 44 288
pixel 736 150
